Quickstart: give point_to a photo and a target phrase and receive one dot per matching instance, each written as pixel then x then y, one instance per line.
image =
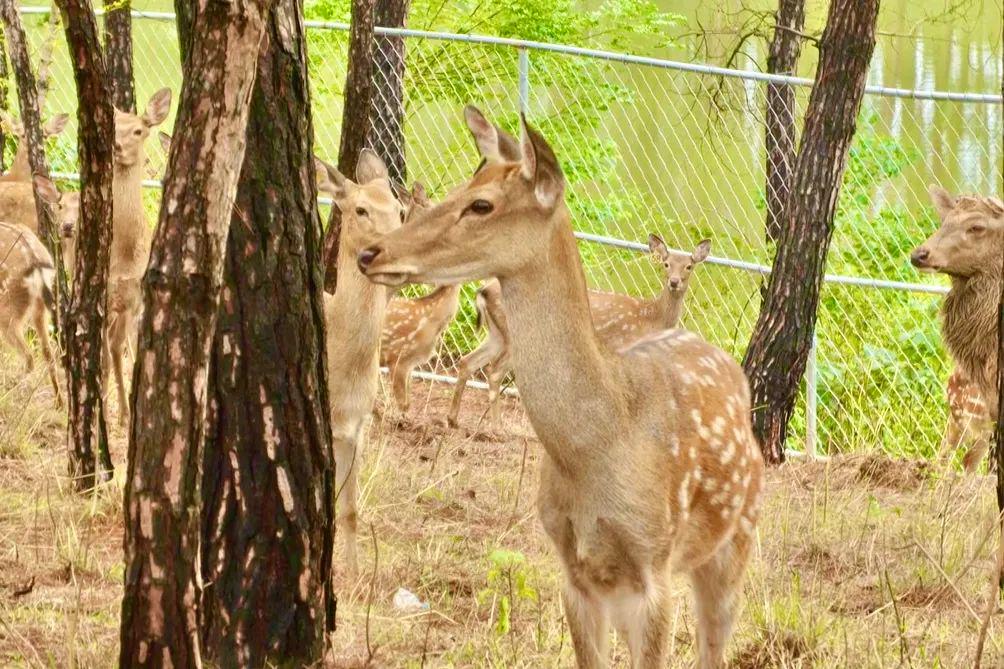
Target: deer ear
pixel 540 167
pixel 11 124
pixel 56 125
pixel 330 180
pixel 370 167
pixel 165 141
pixel 657 246
pixel 418 195
pixel 702 250
pixel 157 108
pixel 46 189
pixel 485 134
pixel 942 200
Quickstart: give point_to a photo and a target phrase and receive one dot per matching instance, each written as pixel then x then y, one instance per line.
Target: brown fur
pixel 26 273
pixel 20 169
pixel 969 419
pixel 651 465
pixel 354 317
pixel 968 247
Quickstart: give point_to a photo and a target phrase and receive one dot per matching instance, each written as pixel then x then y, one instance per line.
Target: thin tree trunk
pixel 387 112
pixel 355 118
pixel 267 477
pixel 4 101
pixel 779 138
pixel 181 291
pixel 84 324
pixel 118 53
pixel 999 431
pixel 27 95
pixel 776 357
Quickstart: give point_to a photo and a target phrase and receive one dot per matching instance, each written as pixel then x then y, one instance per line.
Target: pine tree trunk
pixel 267 477
pixel 27 95
pixel 84 323
pixel 181 292
pixel 779 138
pixel 355 118
pixel 4 98
pixel 776 357
pixel 387 112
pixel 999 429
pixel 118 53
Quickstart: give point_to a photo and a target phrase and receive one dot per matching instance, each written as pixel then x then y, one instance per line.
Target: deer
pixel 967 247
pixel 20 170
pixel 26 275
pixel 969 420
pixel 650 462
pixel 619 319
pixel 132 236
pixel 354 317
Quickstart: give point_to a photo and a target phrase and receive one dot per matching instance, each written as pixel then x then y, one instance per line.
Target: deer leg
pixel 400 374
pixel 14 335
pixel 42 331
pixel 646 626
pixel 463 373
pixel 588 625
pixel 119 335
pixel 974 456
pixel 717 584
pixel 952 438
pixel 347 453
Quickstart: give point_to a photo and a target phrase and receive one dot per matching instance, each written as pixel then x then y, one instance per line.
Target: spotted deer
pixel 26 274
pixel 354 316
pixel 969 420
pixel 131 236
pixel 967 247
pixel 619 320
pixel 650 466
pixel 66 210
pixel 20 170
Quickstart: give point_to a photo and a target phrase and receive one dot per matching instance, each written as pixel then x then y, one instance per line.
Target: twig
pixel 991 602
pixel 24 589
pixel 369 600
pixel 904 648
pixel 519 487
pixel 948 580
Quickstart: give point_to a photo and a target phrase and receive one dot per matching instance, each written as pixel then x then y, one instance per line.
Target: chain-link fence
pixel 656 146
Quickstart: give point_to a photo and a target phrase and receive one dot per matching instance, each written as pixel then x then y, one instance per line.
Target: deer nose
pixel 118 146
pixel 919 256
pixel 366 256
pixel 674 283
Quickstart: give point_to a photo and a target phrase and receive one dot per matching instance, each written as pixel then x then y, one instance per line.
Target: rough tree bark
pixel 118 53
pixel 387 111
pixel 999 430
pixel 266 488
pixel 84 323
pixel 776 357
pixel 181 291
pixel 779 138
pixel 4 89
pixel 27 95
pixel 355 118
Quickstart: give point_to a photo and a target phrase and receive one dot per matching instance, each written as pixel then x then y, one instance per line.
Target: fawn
pixel 354 317
pixel 650 461
pixel 619 320
pixel 969 420
pixel 967 247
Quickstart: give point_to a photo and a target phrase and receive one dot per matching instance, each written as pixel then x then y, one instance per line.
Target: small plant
pixel 508 587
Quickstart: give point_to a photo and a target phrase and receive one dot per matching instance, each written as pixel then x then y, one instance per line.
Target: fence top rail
pixel 696 68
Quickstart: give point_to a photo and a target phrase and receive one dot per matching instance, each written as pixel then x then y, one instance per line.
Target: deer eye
pixel 691 266
pixel 402 215
pixel 977 229
pixel 360 211
pixel 137 132
pixel 481 207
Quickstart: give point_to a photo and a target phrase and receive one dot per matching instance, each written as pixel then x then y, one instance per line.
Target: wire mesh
pixel 656 148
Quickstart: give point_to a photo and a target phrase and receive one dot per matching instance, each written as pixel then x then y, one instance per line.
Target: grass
pixel 863 561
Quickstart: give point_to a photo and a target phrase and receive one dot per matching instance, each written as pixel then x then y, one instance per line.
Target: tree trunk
pixel 387 112
pixel 267 477
pixel 4 101
pixel 84 323
pixel 355 118
pixel 776 357
pixel 118 53
pixel 999 430
pixel 27 95
pixel 779 138
pixel 181 291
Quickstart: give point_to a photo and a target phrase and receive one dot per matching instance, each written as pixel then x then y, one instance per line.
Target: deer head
pixel 502 219
pixel 65 206
pixel 131 130
pixel 969 239
pixel 678 266
pixel 369 208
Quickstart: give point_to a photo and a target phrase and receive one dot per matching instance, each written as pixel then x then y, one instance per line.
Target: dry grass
pixel 862 562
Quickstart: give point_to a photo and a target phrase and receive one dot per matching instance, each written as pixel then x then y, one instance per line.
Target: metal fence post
pixel 810 401
pixel 524 80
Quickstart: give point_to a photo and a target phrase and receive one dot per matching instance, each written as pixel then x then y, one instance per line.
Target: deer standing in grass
pixel 354 316
pixel 131 236
pixel 26 274
pixel 619 320
pixel 650 461
pixel 967 247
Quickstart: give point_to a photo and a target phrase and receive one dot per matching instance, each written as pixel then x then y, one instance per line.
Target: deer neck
pixel 359 303
pixel 669 307
pixel 969 326
pixel 130 230
pixel 571 386
pixel 19 168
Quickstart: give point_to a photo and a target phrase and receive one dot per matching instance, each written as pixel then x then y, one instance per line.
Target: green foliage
pixel 508 585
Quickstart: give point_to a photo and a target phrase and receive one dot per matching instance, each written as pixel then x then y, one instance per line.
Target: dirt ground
pixel 862 561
